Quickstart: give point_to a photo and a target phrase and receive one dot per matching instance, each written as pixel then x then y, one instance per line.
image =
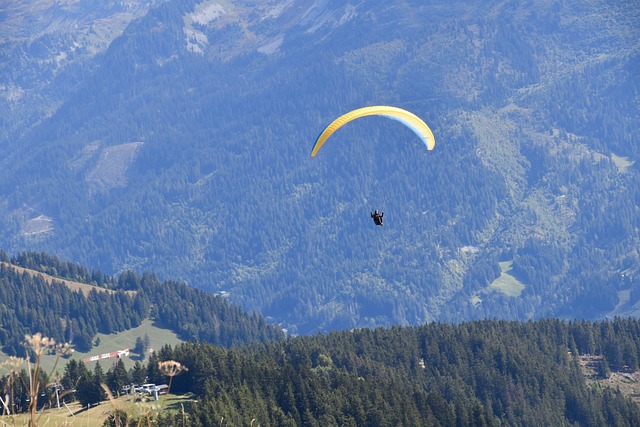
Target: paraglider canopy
pixel 407 118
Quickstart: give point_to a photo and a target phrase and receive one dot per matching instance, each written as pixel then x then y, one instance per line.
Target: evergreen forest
pixel 177 141
pixel 166 144
pixel 28 304
pixel 480 373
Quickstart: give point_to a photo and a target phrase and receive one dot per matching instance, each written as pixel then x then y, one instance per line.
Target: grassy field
pixel 625 307
pixel 108 343
pixel 158 337
pixel 506 283
pixel 622 163
pixel 75 416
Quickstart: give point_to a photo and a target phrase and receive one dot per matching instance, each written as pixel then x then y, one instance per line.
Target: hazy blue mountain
pixel 46 50
pixel 181 146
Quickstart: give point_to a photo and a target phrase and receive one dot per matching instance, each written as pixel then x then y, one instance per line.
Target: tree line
pixel 489 372
pixel 30 304
pixel 485 373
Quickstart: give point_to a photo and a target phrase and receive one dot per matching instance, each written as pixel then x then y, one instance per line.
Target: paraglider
pixel 405 117
pixel 377 217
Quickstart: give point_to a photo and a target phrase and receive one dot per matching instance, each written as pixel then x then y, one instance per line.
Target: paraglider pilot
pixel 377 217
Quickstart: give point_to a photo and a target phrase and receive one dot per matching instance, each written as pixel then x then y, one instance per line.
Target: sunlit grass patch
pixel 73 415
pixel 622 163
pixel 506 283
pixel 112 342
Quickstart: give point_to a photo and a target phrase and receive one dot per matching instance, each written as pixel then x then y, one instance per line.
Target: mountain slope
pixel 75 311
pixel 184 150
pixel 474 373
pixel 47 49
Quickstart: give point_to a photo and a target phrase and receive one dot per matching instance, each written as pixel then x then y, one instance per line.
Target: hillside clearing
pixel 158 337
pixel 622 163
pixel 628 383
pixel 506 283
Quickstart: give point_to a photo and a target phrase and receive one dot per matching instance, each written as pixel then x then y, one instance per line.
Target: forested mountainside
pixel 29 304
pixel 480 373
pixel 182 148
pixel 47 48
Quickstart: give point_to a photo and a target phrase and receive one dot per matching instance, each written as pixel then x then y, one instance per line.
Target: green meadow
pixel 506 283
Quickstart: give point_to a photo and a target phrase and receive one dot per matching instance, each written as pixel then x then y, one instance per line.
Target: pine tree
pixel 138 373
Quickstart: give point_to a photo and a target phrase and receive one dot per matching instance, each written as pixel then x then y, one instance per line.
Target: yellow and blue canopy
pixel 405 117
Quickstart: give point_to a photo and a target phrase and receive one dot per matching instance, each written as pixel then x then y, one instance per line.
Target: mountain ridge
pixel 84 288
pixel 66 302
pixel 531 109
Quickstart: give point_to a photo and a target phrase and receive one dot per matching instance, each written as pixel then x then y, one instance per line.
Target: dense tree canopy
pixel 476 373
pixel 30 304
pixel 193 161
